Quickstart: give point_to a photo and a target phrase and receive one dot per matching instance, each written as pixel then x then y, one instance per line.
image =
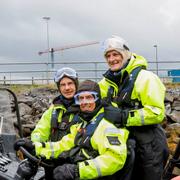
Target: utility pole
pixel 47 32
pixel 156 58
pixel 47 36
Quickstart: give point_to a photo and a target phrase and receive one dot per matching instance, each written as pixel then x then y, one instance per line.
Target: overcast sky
pixel 142 23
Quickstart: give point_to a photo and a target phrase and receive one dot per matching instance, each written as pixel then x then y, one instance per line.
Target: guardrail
pixel 41 73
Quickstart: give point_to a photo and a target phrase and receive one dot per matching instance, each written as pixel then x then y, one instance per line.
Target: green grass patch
pixel 19 88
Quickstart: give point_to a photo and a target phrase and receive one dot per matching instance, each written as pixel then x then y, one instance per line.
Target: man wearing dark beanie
pixel 95 147
pixel 92 87
pixel 89 85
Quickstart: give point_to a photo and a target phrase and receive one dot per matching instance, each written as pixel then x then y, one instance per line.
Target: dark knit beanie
pixel 89 85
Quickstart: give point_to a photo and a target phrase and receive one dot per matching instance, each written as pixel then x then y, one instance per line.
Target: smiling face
pixel 115 60
pixel 67 87
pixel 87 101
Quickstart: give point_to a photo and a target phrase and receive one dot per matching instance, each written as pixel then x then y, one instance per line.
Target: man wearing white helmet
pixel 140 96
pixel 56 121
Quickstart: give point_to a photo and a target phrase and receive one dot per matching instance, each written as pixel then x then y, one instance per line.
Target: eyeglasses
pixel 86 97
pixel 69 72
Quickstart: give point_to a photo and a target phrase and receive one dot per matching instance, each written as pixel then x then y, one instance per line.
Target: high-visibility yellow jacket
pixel 107 140
pixel 148 89
pixel 42 131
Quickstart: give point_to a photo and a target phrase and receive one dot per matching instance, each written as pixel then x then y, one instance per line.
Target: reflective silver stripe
pixel 52 149
pixel 142 116
pixel 37 137
pixel 97 167
pixel 113 130
pixel 155 110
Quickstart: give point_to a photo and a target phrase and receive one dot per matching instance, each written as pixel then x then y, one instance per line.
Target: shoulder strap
pixel 83 149
pixel 60 129
pixel 84 135
pixel 54 125
pixel 75 120
pixel 110 94
pixel 93 125
pixel 125 90
pixel 54 118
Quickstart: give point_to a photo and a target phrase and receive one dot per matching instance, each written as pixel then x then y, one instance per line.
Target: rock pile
pixel 172 119
pixel 32 105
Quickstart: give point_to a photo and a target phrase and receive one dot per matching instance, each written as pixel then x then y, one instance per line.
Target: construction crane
pixel 52 50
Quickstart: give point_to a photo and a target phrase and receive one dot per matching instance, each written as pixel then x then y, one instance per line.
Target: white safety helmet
pixel 114 43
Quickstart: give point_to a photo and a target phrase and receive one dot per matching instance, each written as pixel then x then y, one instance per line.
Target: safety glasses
pixel 86 97
pixel 69 72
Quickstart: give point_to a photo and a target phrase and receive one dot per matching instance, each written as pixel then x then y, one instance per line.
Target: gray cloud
pixel 141 23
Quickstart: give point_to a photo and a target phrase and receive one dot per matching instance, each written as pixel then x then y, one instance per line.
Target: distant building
pixel 174 74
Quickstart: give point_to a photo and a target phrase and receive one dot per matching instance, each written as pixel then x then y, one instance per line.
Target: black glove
pixel 116 115
pixel 24 142
pixel 66 172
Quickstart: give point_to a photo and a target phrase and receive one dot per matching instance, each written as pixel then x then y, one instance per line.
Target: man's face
pixel 67 87
pixel 115 60
pixel 87 102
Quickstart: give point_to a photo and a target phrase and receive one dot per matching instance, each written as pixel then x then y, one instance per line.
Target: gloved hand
pixel 24 142
pixel 66 172
pixel 116 115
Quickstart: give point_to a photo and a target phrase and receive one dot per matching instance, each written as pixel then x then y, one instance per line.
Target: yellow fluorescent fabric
pixel 42 131
pixel 148 89
pixel 111 156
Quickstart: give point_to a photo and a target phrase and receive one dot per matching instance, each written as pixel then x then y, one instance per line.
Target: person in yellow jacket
pixel 51 127
pixel 94 148
pixel 140 95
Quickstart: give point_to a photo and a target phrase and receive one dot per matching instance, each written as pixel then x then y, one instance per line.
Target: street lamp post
pixel 47 28
pixel 47 35
pixel 156 57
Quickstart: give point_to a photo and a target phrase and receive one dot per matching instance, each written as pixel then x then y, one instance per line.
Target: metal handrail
pixel 94 68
